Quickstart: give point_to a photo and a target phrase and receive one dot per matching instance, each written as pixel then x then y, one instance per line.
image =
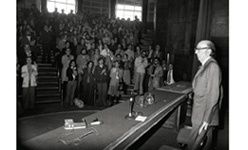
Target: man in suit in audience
pixel 207 94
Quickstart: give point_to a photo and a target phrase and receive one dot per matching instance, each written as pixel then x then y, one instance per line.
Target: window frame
pixel 65 3
pixel 127 8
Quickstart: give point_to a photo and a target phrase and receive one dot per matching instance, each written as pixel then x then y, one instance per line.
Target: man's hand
pixel 103 71
pixel 203 127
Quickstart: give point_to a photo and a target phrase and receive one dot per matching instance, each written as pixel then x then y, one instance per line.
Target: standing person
pixel 101 77
pixel 72 75
pixel 156 74
pixel 207 93
pixel 119 50
pixel 96 55
pixel 140 64
pixel 45 40
pixel 170 79
pixel 88 84
pixel 66 58
pixel 130 53
pixel 157 53
pixel 29 73
pixel 150 54
pixel 82 61
pixel 126 72
pixel 115 78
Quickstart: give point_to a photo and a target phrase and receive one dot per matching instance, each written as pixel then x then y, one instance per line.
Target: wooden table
pixel 181 87
pixel 180 113
pixel 116 132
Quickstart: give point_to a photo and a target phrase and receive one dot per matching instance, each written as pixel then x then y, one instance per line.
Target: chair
pixel 183 136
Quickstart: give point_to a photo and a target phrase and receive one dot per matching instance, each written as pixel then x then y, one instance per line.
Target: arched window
pixel 66 5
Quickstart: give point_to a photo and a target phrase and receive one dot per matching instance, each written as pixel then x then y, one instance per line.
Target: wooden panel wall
pixel 95 6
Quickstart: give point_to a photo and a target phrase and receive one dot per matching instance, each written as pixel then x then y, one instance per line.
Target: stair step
pixel 44 65
pixel 52 73
pixel 50 100
pixel 44 88
pixel 47 69
pixel 53 93
pixel 47 83
pixel 47 78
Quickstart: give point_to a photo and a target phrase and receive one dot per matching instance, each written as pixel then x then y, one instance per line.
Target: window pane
pixel 138 14
pixel 70 7
pixel 71 1
pixel 50 6
pixel 129 14
pixel 60 7
pixel 129 7
pixel 119 6
pixel 128 11
pixel 60 1
pixel 139 8
pixel 67 5
pixel 119 13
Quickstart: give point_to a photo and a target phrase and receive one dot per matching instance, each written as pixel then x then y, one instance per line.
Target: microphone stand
pixel 132 114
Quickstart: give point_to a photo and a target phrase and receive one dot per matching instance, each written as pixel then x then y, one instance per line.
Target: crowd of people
pixel 98 57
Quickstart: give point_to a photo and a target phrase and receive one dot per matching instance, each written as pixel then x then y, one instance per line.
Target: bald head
pixel 204 50
pixel 206 43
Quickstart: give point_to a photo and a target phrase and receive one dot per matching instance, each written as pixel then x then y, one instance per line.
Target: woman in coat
pixel 88 84
pixel 156 74
pixel 66 58
pixel 29 73
pixel 72 76
pixel 115 78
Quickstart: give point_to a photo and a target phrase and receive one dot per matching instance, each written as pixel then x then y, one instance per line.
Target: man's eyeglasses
pixel 198 49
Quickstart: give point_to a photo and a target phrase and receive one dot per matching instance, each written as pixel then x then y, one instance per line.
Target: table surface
pixel 178 87
pixel 116 132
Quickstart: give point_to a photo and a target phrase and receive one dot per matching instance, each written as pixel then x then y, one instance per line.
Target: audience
pixel 102 48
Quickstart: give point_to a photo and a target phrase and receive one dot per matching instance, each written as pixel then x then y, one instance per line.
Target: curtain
pixel 203 28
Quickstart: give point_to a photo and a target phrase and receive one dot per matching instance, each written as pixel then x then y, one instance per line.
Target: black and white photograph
pixel 121 74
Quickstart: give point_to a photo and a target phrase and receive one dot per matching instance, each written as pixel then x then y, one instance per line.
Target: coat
pixel 26 76
pixel 156 80
pixel 65 62
pixel 207 94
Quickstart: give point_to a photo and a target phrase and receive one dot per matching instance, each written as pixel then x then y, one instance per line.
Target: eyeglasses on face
pixel 198 49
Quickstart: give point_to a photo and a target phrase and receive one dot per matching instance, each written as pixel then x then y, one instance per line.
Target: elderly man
pixel 207 92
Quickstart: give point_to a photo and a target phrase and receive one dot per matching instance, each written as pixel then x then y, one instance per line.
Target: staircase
pixel 48 88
